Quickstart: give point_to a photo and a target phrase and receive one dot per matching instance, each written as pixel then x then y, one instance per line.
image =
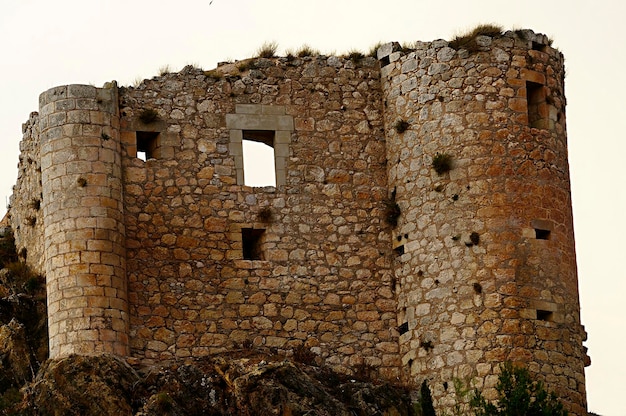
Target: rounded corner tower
pixel 83 221
pixel 477 163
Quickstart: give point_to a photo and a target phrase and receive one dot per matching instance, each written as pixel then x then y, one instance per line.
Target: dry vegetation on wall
pixel 302 52
pixel 267 50
pixel 467 40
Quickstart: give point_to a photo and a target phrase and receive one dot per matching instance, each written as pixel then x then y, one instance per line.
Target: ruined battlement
pixel 133 202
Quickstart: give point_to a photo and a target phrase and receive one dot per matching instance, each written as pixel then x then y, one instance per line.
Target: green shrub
pixel 518 395
pixel 442 163
pixel 401 126
pixel 392 212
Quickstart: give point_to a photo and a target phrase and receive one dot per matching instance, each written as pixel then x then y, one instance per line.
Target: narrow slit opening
pixel 536 103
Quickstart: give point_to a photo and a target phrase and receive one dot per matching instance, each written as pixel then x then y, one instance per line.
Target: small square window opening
pixel 542 234
pixel 252 243
pixel 544 315
pixel 147 145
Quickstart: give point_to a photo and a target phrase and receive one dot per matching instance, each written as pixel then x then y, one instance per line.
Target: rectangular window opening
pixel 252 243
pixel 147 145
pixel 544 315
pixel 539 47
pixel 404 328
pixel 537 107
pixel 542 234
pixel 259 167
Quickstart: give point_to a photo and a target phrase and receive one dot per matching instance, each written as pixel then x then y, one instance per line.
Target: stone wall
pixel 487 270
pixel 324 279
pixel 26 214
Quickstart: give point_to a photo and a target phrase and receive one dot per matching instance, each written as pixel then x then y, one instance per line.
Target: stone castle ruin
pixel 362 252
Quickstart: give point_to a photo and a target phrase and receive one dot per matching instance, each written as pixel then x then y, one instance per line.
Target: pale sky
pixel 46 43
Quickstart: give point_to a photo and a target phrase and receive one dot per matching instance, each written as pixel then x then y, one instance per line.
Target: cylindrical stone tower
pixel 83 221
pixel 486 268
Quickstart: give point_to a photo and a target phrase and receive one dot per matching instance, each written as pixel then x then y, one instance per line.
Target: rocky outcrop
pixel 244 384
pixel 16 364
pixel 80 385
pixel 23 323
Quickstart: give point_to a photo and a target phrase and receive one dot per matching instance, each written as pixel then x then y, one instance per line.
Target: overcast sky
pixel 46 43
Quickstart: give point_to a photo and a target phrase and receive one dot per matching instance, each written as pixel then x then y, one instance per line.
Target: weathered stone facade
pixel 175 256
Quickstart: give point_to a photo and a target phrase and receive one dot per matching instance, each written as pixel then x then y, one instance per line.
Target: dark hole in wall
pixel 544 315
pixel 537 107
pixel 539 47
pixel 399 250
pixel 542 234
pixel 404 328
pixel 251 239
pixel 384 61
pixel 147 145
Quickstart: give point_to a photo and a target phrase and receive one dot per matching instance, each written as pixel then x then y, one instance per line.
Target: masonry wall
pixel 26 214
pixel 83 221
pixel 488 270
pixel 324 280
